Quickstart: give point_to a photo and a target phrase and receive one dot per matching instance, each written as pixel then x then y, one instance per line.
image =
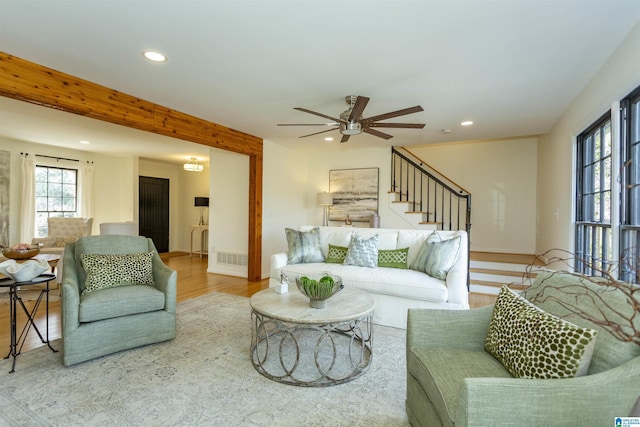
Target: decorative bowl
pixel 319 287
pixel 25 271
pixel 20 253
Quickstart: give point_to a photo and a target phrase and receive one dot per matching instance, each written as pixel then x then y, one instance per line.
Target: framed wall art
pixel 355 193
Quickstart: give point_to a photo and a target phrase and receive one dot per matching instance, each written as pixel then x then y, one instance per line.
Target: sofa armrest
pixel 70 301
pixel 165 279
pixel 46 242
pixel 462 329
pixel 594 399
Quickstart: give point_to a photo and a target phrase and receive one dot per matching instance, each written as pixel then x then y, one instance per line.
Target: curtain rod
pixel 60 158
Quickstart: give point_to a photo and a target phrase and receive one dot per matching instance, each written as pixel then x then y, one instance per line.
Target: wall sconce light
pixel 201 202
pixel 193 166
pixel 325 200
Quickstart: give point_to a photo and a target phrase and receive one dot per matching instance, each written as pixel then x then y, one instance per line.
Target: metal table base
pixel 310 355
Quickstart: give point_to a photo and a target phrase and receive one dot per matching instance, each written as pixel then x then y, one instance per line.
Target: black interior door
pixel 154 210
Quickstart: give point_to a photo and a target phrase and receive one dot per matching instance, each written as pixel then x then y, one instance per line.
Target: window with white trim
pixel 56 195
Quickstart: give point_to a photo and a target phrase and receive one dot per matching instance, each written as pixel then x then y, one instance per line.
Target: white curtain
pixel 85 187
pixel 28 212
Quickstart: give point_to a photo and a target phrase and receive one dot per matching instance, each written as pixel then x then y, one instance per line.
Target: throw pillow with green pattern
pixel 393 258
pixel 532 343
pixel 304 246
pixel 336 254
pixel 113 270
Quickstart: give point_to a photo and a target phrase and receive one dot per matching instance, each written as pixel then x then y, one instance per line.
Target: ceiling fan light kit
pixel 351 121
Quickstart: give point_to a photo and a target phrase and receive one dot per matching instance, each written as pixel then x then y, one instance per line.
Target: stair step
pixel 517 286
pixel 509 258
pixel 496 272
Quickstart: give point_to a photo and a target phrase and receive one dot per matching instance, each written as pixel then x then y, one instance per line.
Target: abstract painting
pixel 355 193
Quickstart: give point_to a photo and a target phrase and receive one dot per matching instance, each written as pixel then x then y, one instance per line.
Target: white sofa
pixel 394 290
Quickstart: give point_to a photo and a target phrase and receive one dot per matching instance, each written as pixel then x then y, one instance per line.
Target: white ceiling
pixel 511 66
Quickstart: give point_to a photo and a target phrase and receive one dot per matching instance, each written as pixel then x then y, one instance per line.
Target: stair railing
pixel 428 191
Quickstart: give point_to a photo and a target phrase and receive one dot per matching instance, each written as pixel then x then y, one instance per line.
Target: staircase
pixel 489 271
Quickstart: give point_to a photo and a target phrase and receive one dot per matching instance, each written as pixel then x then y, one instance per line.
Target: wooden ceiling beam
pixel 30 82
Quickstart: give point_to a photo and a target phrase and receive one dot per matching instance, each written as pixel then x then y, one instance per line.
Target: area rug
pixel 202 378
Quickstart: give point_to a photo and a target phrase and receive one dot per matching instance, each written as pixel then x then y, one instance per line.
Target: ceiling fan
pixel 351 121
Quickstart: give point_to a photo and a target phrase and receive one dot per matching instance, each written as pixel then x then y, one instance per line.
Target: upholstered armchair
pixel 61 232
pixel 108 304
pixel 453 381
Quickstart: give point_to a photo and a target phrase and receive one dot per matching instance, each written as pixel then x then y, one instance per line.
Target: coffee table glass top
pixel 348 304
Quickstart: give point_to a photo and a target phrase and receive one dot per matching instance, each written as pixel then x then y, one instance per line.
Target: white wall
pixel 501 177
pixel 228 209
pixel 556 150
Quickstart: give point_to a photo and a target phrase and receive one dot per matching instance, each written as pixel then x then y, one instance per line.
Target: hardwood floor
pixel 193 281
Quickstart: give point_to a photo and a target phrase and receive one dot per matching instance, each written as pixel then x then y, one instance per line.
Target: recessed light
pixel 328 138
pixel 85 142
pixel 154 56
pixel 467 123
pixel 446 130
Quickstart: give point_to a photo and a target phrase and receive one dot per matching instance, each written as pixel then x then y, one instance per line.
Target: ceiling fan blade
pixel 333 119
pixel 377 133
pixel 308 124
pixel 316 133
pixel 345 138
pixel 358 108
pixel 397 125
pixel 392 114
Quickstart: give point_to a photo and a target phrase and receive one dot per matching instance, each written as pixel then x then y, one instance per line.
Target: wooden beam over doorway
pixel 30 82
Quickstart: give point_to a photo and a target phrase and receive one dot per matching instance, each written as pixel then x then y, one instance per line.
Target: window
pixel 593 196
pixel 630 197
pixel 56 195
pixel 596 232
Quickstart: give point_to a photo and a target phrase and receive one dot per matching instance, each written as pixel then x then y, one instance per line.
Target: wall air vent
pixel 232 259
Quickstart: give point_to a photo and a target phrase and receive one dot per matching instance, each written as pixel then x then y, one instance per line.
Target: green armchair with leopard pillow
pixel 116 294
pixel 523 363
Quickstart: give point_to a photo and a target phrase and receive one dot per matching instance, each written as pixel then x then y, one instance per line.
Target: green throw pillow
pixel 113 270
pixel 436 256
pixel 336 254
pixel 393 258
pixel 532 343
pixel 362 252
pixel 304 246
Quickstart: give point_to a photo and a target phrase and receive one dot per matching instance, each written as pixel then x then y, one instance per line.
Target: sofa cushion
pixel 116 302
pixel 532 343
pixel 336 254
pixel 393 258
pixel 362 252
pixel 441 372
pixel 437 256
pixel 379 280
pixel 114 270
pixel 304 246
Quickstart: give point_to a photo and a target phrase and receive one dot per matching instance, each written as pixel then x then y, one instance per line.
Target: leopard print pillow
pixel 113 270
pixel 61 241
pixel 532 343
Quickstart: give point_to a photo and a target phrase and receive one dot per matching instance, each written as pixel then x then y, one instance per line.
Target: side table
pixel 204 232
pixel 17 341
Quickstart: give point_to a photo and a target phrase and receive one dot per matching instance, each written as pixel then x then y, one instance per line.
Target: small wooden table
pixel 18 341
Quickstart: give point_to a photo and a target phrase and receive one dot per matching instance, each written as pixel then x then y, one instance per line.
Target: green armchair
pixel 112 319
pixel 453 381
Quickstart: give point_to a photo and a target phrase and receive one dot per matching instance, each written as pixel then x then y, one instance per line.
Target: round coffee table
pixel 295 344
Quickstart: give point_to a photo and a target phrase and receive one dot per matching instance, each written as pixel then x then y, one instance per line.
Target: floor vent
pixel 233 259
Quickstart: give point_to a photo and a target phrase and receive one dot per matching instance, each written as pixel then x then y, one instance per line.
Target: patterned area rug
pixel 202 378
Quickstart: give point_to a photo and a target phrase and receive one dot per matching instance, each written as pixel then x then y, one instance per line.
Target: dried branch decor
pixel 589 303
